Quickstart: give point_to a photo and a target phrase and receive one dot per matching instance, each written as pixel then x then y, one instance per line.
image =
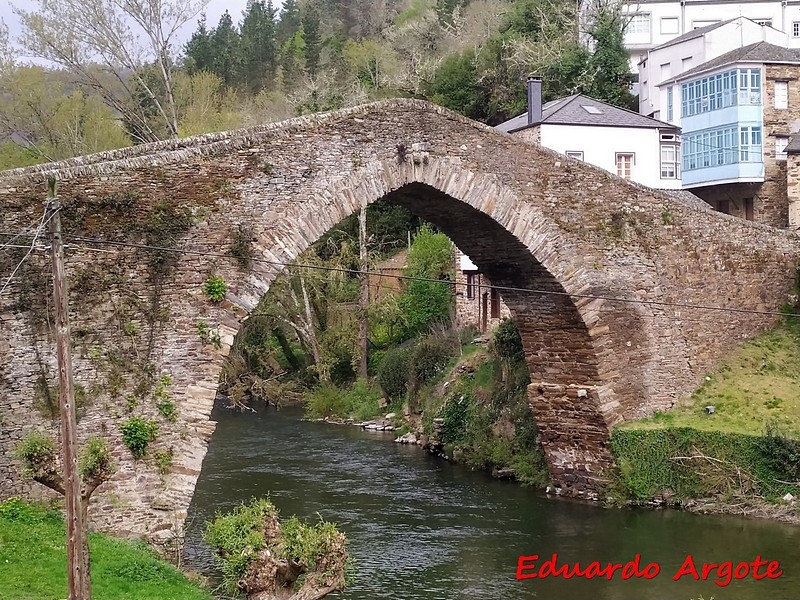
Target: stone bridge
pixel 530 218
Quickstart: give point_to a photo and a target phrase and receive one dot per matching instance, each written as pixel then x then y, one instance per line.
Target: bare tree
pixel 123 49
pixel 6 52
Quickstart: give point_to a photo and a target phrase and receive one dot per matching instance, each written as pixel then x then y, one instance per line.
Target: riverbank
pixel 33 562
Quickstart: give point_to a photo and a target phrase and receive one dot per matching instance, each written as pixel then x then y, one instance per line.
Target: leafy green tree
pixel 226 51
pixel 258 46
pixel 198 50
pixel 427 303
pixel 289 23
pixel 312 36
pixel 455 85
pixel 609 65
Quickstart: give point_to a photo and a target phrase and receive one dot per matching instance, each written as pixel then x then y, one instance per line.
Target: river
pixel 420 528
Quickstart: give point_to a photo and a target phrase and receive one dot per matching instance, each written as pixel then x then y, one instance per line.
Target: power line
pixel 34 237
pixel 653 303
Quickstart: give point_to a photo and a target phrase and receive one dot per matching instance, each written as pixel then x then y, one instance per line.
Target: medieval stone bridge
pixel 528 217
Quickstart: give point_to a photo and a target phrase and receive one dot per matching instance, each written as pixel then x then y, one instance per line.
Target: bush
pixel 325 400
pixel 430 358
pixel 37 451
pixel 137 433
pixel 507 342
pixel 96 459
pixel 362 400
pixel 394 372
pixel 215 288
pixel 456 413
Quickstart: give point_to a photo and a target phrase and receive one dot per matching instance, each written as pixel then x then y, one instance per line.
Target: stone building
pixel 478 303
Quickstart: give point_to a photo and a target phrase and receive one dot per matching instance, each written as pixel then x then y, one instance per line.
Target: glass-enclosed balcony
pixel 722 155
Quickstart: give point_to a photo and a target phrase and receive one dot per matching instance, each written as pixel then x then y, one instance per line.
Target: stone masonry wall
pixel 573 235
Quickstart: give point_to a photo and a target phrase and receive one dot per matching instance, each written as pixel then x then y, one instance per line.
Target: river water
pixel 420 528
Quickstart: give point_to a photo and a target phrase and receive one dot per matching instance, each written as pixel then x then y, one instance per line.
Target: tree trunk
pixel 310 331
pixel 363 324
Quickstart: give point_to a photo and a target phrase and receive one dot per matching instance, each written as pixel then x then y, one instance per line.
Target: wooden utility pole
pixel 78 583
pixel 363 323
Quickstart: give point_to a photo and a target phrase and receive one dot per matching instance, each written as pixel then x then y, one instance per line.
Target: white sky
pixel 214 10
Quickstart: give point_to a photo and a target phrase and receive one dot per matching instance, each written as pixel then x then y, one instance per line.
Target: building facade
pixel 478 303
pixel 736 114
pixel 652 23
pixel 623 142
pixel 686 52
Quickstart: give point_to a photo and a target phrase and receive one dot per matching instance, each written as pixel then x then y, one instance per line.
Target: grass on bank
pixel 758 384
pixel 33 562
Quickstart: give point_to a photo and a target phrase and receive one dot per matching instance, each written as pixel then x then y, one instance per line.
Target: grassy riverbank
pixel 744 454
pixel 33 562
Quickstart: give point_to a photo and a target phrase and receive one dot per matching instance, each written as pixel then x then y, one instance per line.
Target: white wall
pixel 601 144
pixel 691 53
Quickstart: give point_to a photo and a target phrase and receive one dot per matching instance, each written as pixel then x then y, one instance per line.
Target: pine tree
pixel 258 46
pixel 226 51
pixel 289 22
pixel 199 56
pixel 313 38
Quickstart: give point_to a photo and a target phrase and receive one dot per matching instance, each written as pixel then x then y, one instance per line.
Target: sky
pixel 214 10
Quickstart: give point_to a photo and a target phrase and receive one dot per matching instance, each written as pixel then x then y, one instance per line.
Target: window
pixel 796 29
pixel 669 104
pixel 781 142
pixel 624 164
pixel 666 71
pixel 495 296
pixel 669 25
pixel 575 154
pixel 748 209
pixel 764 22
pixel 669 161
pixel 686 63
pixel 721 146
pixel 781 94
pixel 750 144
pixel 471 284
pixel 638 24
pixel 592 110
pixel 742 86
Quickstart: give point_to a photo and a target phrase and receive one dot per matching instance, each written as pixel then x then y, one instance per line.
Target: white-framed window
pixel 638 24
pixel 764 22
pixel 670 111
pixel 625 162
pixel 669 25
pixel 669 161
pixel 666 71
pixel 796 29
pixel 686 63
pixel 781 94
pixel 781 141
pixel 578 154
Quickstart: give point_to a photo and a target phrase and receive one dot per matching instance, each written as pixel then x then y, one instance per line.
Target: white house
pixel 689 50
pixel 652 23
pixel 621 141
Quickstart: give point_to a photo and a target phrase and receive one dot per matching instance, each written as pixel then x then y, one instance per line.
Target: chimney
pixel 534 100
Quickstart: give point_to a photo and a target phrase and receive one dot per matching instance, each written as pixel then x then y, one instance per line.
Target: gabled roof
pixel 695 33
pixel 760 52
pixel 583 110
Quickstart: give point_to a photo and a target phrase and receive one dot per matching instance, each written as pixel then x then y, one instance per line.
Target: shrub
pixel 215 288
pixel 166 408
pixel 456 413
pixel 37 452
pixel 361 400
pixel 507 342
pixel 96 460
pixel 163 460
pixel 394 372
pixel 430 359
pixel 137 433
pixel 325 400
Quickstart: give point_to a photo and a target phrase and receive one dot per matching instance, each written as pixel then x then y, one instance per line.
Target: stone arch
pixel 566 346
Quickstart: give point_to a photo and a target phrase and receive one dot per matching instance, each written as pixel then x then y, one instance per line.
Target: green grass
pixel 33 562
pixel 758 383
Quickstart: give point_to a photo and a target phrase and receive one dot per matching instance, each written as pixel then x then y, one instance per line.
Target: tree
pixel 312 38
pixel 40 462
pixel 43 114
pixel 6 52
pixel 258 46
pixel 269 559
pixel 199 55
pixel 107 44
pixel 226 51
pixel 289 23
pixel 609 64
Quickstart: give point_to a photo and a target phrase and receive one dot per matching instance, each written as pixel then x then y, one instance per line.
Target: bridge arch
pixel 567 344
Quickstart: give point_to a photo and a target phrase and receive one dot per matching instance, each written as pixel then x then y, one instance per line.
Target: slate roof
pixel 760 52
pixel 695 33
pixel 794 144
pixel 571 111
